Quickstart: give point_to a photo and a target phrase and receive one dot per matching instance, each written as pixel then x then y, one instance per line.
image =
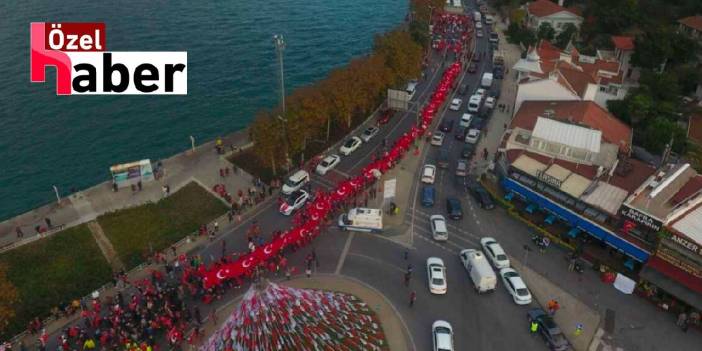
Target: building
pixel 547 73
pixel 671 206
pixel 546 11
pixel 567 162
pixel 694 128
pixel 623 50
pixel 692 26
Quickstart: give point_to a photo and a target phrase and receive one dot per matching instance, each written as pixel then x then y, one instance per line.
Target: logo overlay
pixel 77 51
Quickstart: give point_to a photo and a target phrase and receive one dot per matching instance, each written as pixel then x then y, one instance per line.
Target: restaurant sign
pixel 640 218
pixel 684 242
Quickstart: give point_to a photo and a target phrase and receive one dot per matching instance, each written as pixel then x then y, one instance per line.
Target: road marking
pixel 437 245
pixel 452 236
pixel 345 175
pixel 398 268
pixel 345 252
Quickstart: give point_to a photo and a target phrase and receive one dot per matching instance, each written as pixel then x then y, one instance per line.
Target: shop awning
pixel 575 220
pixel 672 287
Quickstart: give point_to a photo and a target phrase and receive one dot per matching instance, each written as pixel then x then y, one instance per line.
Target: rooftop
pixel 584 113
pixel 655 196
pixel 567 134
pixel 623 42
pixel 543 8
pixel 694 128
pixel 694 22
pixel 690 224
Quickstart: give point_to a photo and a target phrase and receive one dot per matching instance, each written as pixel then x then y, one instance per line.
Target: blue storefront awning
pixel 575 220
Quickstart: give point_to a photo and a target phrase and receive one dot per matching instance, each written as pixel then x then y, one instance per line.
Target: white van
pixel 411 88
pixel 295 182
pixel 482 275
pixel 486 82
pixel 477 17
pixel 362 220
pixel 474 103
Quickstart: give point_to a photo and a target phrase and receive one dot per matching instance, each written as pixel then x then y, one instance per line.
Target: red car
pixel 385 116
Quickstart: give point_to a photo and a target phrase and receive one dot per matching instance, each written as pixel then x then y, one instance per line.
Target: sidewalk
pixel 572 311
pixel 201 166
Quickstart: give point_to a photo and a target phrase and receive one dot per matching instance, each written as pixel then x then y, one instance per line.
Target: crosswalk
pixel 459 238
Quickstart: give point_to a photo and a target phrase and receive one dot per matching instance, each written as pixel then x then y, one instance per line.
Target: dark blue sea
pixel 71 141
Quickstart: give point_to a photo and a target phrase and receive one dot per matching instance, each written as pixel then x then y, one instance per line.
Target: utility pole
pixel 58 197
pixel 279 43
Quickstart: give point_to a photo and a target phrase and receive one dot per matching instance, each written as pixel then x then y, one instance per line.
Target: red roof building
pixel 544 8
pixel 623 43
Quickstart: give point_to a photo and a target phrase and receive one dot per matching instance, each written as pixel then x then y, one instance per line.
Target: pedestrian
pixel 213 315
pixel 405 254
pixel 314 258
pixel 19 232
pixel 578 329
pixel 48 222
pixel 413 298
pixel 308 272
pixel 216 226
pixel 139 185
pixel 682 320
pixel 407 278
pixel 533 328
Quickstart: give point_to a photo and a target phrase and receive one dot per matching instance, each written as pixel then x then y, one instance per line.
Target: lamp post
pixel 192 143
pixel 279 43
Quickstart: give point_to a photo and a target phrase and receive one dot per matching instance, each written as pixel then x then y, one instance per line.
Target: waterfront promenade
pixel 201 166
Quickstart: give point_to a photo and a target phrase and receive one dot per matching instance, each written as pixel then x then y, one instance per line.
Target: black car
pixel 444 159
pixel 498 72
pixel 548 329
pixel 453 208
pixel 482 196
pixel 461 133
pixel 477 123
pixel 463 89
pixel 472 67
pixel 446 125
pixel 467 151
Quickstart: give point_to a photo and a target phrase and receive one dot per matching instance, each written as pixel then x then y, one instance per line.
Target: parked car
pixel 327 164
pixel 442 336
pixel 455 104
pixel 385 115
pixel 467 151
pixel 478 123
pixel 473 136
pixel 489 102
pixel 493 38
pixel 472 67
pixel 350 145
pixel 478 25
pixel 515 286
pixel 498 72
pixel 548 329
pixel 444 158
pixel 446 125
pixel 482 92
pixel 436 271
pixel 494 252
pixel 453 208
pixel 296 181
pixel 461 133
pixel 474 103
pixel 466 118
pixel 462 168
pixel 437 139
pixel 479 33
pixel 439 230
pixel 482 196
pixel 294 202
pixel 428 196
pixel 369 133
pixel 428 174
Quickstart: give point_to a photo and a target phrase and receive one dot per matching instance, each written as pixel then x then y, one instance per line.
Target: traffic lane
pixel 477 320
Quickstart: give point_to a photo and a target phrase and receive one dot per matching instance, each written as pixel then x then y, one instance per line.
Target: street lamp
pixel 192 143
pixel 279 43
pixel 58 197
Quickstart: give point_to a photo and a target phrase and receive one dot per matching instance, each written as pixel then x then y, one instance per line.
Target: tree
pixel 9 297
pixel 652 49
pixel 611 16
pixel 659 132
pixel 267 135
pixel 546 31
pixel 566 35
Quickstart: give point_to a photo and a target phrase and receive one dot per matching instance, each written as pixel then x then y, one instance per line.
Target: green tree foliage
pixel 8 298
pixel 611 17
pixel 546 31
pixel 566 35
pixel 659 132
pixel 518 34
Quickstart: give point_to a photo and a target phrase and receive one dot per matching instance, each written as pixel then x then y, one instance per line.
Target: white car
pixel 515 286
pixel 350 145
pixel 456 104
pixel 428 174
pixel 295 181
pixel 437 139
pixel 472 136
pixel 490 102
pixel 437 275
pixel 294 202
pixel 327 164
pixel 479 25
pixel 442 335
pixel 482 92
pixel 369 133
pixel 439 230
pixel 494 252
pixel 479 34
pixel 465 120
pixel 474 103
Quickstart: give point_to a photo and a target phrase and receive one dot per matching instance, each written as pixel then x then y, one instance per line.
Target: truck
pixel 362 219
pixel 479 269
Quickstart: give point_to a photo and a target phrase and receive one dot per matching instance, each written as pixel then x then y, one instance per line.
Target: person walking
pixel 406 255
pixel 48 223
pixel 682 320
pixel 407 278
pixel 412 298
pixel 20 233
pixel 578 329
